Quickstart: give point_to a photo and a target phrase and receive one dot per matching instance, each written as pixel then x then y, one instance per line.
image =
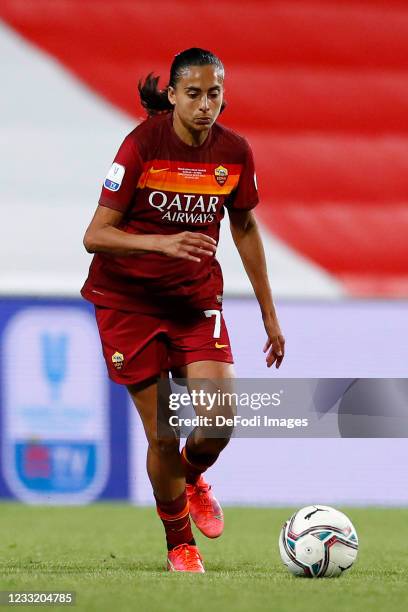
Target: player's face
pixel 197 97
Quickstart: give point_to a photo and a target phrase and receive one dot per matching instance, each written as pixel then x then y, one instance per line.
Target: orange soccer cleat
pixel 185 558
pixel 205 510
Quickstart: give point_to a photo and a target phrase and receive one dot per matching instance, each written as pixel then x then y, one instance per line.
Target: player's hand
pixel 275 344
pixel 187 245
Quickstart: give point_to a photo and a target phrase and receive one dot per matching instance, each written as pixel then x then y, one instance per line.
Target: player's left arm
pixel 247 239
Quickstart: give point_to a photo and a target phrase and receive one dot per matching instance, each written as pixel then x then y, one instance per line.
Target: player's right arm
pixel 104 236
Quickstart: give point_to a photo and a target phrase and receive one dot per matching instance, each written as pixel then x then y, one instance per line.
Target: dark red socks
pixel 176 520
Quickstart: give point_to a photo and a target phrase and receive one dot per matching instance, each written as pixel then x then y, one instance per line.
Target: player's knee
pixel 211 446
pixel 223 435
pixel 220 443
pixel 164 447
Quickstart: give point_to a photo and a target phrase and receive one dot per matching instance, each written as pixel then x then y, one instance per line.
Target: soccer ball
pixel 317 542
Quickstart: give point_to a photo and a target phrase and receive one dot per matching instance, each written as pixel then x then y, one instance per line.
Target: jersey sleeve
pixel 120 183
pixel 245 196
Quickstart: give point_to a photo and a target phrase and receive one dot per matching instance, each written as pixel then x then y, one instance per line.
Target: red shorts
pixel 137 346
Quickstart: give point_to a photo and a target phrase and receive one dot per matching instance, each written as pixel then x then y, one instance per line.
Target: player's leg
pixel 200 447
pixel 200 349
pixel 204 445
pixel 166 475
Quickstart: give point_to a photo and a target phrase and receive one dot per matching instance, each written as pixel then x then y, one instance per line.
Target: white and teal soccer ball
pixel 318 541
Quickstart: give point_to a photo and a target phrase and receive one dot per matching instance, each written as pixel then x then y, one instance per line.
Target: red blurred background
pixel 318 88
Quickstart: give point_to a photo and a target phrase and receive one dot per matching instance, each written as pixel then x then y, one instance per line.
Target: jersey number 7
pixel 217 325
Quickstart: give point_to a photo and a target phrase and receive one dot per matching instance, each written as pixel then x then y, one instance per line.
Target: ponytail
pixel 155 100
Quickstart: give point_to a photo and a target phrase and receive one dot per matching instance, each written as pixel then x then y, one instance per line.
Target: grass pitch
pixel 113 556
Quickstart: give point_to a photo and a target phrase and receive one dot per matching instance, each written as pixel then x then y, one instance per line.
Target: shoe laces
pixel 189 554
pixel 203 490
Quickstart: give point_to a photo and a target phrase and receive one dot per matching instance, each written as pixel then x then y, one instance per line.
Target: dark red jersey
pixel 164 186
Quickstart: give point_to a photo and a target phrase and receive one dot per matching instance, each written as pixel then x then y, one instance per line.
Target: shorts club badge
pixel 221 175
pixel 117 360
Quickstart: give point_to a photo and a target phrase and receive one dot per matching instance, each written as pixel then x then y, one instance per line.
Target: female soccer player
pixel 156 285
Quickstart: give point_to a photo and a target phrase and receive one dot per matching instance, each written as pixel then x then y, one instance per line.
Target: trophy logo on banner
pixel 55 411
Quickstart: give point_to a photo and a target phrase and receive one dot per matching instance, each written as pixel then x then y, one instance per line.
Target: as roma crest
pixel 221 175
pixel 117 360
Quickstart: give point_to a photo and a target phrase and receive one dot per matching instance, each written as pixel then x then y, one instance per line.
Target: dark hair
pixel 155 100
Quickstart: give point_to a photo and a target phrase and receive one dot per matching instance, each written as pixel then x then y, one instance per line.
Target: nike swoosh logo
pixel 220 345
pixel 155 170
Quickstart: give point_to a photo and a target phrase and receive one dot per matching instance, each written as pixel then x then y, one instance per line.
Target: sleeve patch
pixel 114 177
